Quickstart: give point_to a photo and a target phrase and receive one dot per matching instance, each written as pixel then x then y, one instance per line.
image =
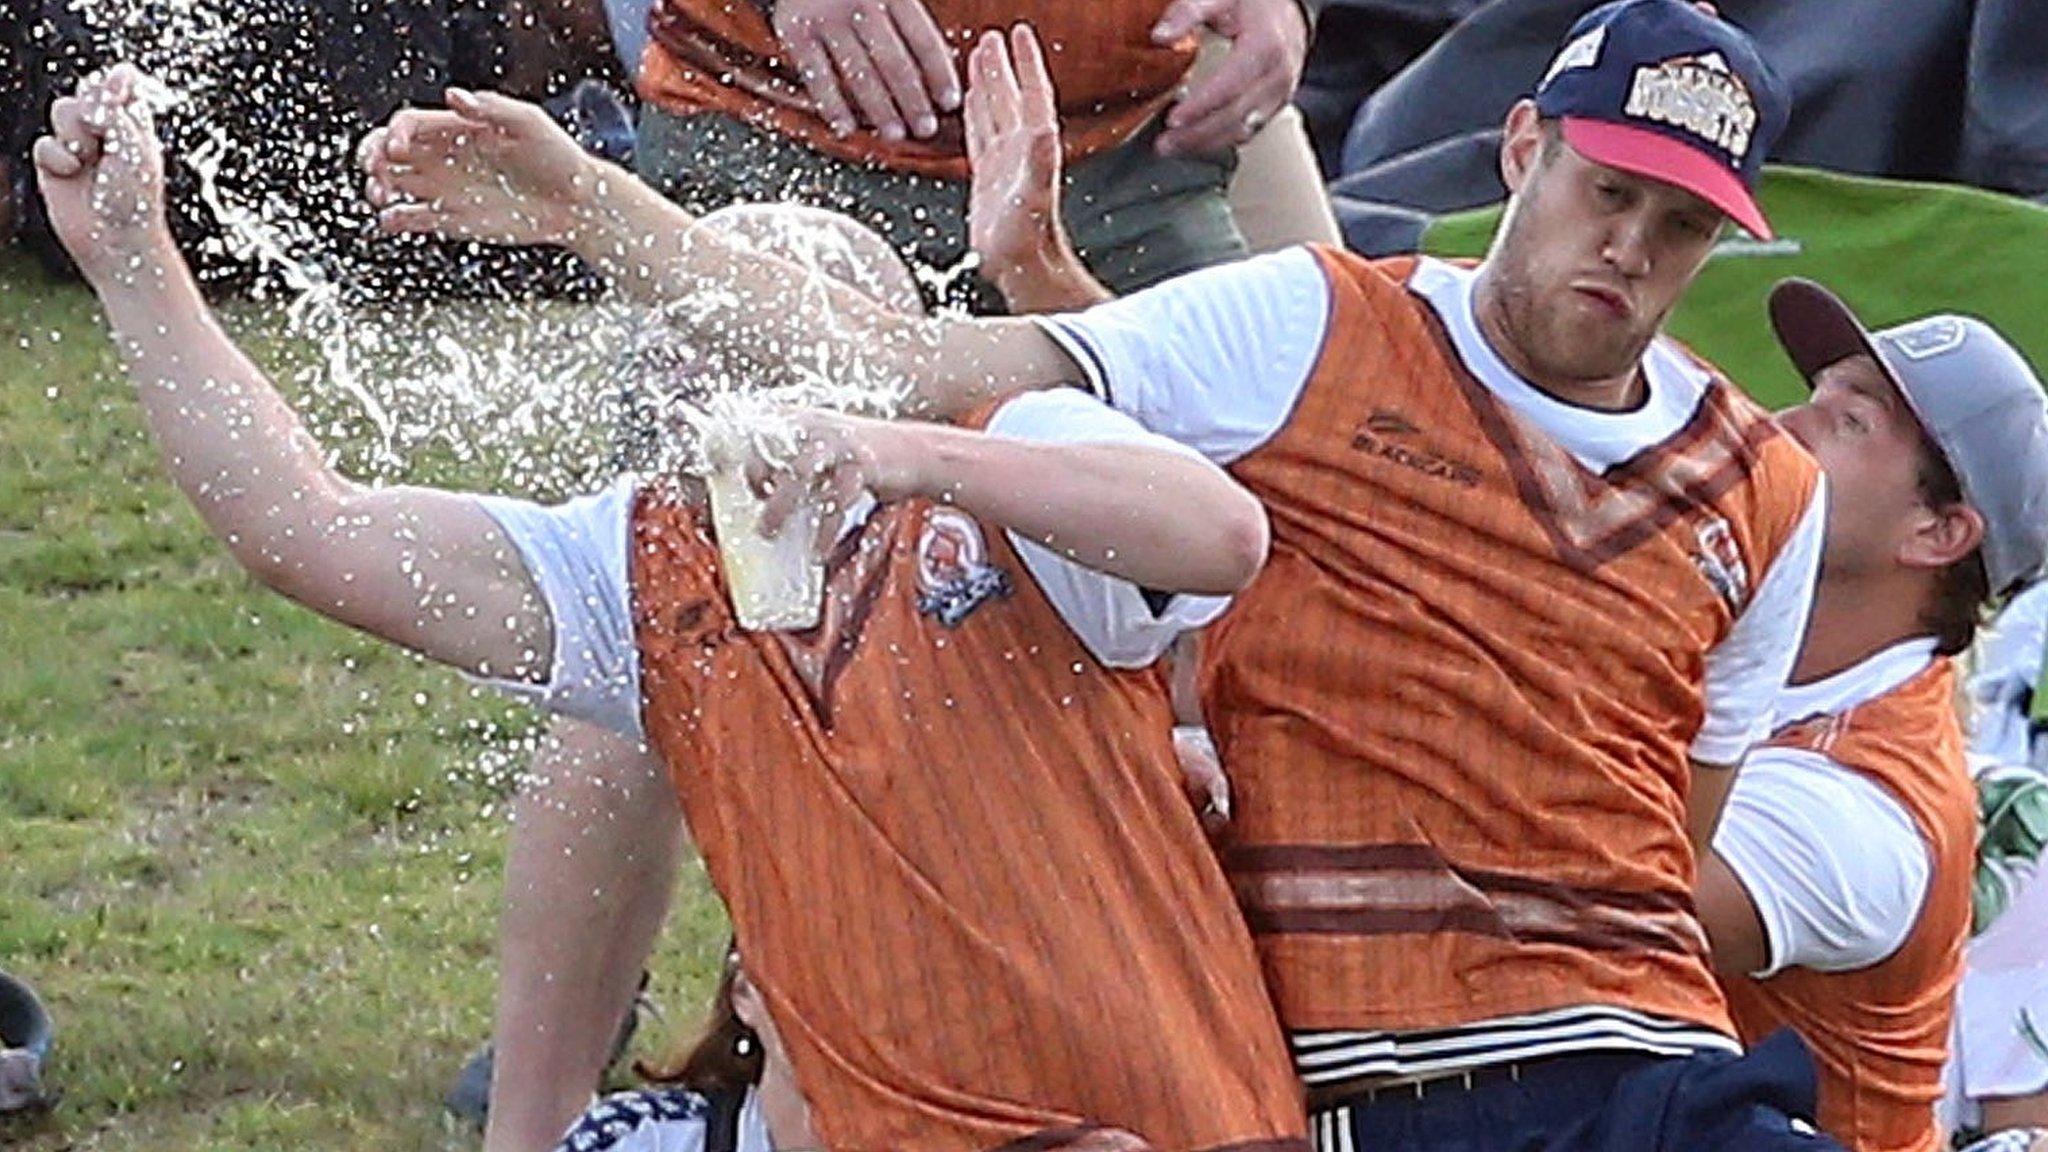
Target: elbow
pixel 1242 538
pixel 289 549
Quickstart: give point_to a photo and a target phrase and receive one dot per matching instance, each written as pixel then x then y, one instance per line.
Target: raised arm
pixel 424 569
pixel 1013 199
pixel 495 169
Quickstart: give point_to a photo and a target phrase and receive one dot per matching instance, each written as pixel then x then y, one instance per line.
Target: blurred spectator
pixel 789 100
pixel 2005 725
pixel 1358 46
pixel 1998 1070
pixel 1998 1067
pixel 17 125
pixel 279 96
pixel 26 1034
pixel 730 1089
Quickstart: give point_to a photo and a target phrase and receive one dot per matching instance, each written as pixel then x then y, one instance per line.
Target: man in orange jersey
pixel 947 821
pixel 594 817
pixel 1538 577
pixel 1837 895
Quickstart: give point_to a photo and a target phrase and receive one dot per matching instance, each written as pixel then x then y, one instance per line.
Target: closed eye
pixel 1697 228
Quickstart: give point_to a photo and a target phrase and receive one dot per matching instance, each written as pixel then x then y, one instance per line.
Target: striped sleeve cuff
pixel 1087 358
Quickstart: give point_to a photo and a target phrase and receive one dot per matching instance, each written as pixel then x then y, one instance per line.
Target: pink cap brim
pixel 1661 158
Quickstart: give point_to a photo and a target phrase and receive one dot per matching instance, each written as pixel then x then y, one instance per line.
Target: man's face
pixel 1590 259
pixel 1867 441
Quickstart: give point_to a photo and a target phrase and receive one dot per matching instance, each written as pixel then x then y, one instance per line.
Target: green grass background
pixel 250 859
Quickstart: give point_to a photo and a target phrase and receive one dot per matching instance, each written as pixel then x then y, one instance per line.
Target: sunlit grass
pixel 250 859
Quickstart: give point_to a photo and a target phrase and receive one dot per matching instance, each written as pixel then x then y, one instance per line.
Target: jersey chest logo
pixel 954 576
pixel 1391 436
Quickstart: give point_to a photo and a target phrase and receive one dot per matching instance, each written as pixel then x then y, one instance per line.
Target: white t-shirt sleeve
pixel 1748 669
pixel 1113 617
pixel 577 554
pixel 1215 359
pixel 1833 863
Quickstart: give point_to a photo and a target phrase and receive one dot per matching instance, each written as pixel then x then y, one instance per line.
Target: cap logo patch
pixel 1699 95
pixel 1929 338
pixel 1581 53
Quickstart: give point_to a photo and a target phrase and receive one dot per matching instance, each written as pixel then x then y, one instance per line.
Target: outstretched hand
pixel 487 168
pixel 1013 153
pixel 101 171
pixel 1013 194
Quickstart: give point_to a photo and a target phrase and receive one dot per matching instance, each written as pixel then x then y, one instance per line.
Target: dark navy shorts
pixel 1606 1102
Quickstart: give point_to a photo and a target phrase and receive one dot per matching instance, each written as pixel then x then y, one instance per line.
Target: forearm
pixel 777 322
pixel 230 442
pixel 1053 281
pixel 1152 516
pixel 420 568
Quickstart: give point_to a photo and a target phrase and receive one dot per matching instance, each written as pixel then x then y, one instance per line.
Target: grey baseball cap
pixel 1974 395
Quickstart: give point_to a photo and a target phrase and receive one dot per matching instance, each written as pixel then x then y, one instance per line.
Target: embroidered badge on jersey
pixel 954 576
pixel 1719 560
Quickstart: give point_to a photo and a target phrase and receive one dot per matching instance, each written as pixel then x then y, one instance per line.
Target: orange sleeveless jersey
pixel 957 857
pixel 1458 703
pixel 1880 1034
pixel 1108 75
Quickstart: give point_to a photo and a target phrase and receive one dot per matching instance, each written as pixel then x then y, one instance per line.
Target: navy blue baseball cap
pixel 1664 89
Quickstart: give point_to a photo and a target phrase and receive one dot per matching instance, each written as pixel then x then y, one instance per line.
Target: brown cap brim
pixel 1816 328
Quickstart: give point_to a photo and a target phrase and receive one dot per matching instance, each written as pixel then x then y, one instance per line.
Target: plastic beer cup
pixel 777 583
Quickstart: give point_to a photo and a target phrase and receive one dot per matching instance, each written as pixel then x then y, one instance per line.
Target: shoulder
pixel 1772 485
pixel 1907 739
pixel 1383 278
pixel 1833 862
